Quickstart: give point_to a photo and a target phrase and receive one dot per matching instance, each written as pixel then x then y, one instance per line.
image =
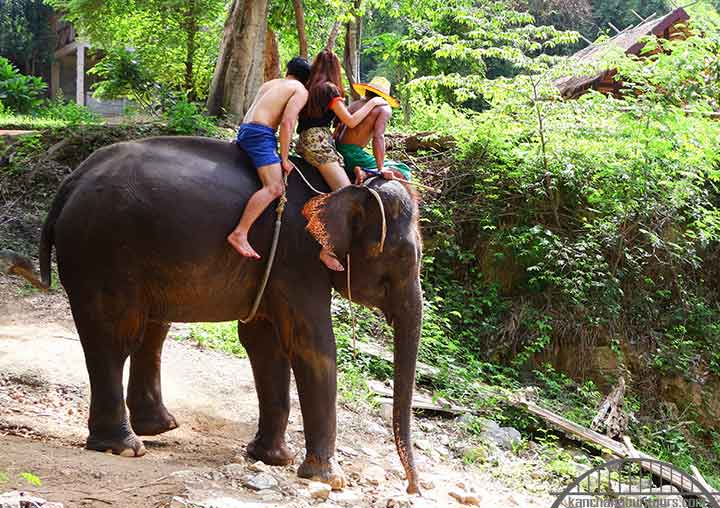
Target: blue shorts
pixel 259 142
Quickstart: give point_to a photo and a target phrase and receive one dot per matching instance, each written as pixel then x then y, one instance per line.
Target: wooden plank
pixel 419 400
pixel 632 452
pixel 590 436
pixel 701 480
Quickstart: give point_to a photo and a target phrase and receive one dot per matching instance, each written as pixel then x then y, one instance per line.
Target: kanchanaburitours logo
pixel 637 483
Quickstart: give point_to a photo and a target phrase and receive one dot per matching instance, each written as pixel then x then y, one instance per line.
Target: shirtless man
pixel 277 104
pixel 351 143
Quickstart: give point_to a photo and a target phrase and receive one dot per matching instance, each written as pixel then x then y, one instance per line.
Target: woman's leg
pixel 334 175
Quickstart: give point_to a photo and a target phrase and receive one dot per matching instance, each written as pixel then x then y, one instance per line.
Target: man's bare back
pixel 271 100
pixel 362 133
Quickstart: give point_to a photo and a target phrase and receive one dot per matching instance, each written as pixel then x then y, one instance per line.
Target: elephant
pixel 139 230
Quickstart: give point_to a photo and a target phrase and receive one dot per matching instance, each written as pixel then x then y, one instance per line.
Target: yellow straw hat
pixel 380 86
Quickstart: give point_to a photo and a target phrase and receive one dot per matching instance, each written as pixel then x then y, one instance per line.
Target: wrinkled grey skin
pixel 139 231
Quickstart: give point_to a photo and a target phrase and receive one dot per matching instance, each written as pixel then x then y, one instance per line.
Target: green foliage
pixel 185 118
pixel 19 93
pixel 219 336
pixel 26 36
pixel 122 75
pixel 70 113
pixel 31 479
pixel 175 41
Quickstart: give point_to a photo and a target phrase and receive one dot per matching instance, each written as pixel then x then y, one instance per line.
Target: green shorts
pixel 355 155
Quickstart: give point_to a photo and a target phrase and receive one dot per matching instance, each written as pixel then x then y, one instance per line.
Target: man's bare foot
pixel 240 243
pixel 331 261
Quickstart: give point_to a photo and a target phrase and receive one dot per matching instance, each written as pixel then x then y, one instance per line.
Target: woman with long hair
pixel 325 105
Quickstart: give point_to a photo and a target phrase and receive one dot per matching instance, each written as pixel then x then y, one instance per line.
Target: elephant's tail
pixel 14 264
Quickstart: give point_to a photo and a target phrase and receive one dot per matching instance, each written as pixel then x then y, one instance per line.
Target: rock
pixel 465 419
pixel 375 428
pixel 270 495
pixel 423 444
pixel 260 481
pixel 19 499
pixel 427 484
pixel 346 450
pixel 395 502
pixel 326 505
pixel 185 475
pixel 466 498
pixel 444 439
pixel 387 413
pixel 178 502
pixel 373 474
pixel 347 496
pixel 319 490
pixel 259 467
pixel 504 437
pixel 235 471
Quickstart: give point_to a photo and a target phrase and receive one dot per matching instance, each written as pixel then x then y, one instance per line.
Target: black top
pixel 305 122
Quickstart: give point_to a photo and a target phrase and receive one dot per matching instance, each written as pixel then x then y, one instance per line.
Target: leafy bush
pixel 69 112
pixel 185 118
pixel 19 93
pixel 121 75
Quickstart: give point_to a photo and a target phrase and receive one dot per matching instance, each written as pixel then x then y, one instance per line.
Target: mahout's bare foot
pixel 240 242
pixel 124 444
pixel 278 455
pixel 325 471
pixel 331 261
pixel 359 175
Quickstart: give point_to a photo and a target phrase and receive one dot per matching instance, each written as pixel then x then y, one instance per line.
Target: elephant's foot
pixel 326 471
pixel 153 422
pixel 278 455
pixel 128 445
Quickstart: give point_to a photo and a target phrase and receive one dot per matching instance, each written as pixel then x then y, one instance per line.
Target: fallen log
pixel 621 450
pixel 419 400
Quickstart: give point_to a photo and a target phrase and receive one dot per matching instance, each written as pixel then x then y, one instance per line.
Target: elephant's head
pixel 383 275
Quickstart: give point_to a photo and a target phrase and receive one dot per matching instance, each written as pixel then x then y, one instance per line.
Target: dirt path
pixel 44 397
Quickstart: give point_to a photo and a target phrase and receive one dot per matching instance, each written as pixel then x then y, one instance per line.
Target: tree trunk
pixel 272 56
pixel 300 23
pixel 351 60
pixel 239 69
pixel 333 36
pixel 191 30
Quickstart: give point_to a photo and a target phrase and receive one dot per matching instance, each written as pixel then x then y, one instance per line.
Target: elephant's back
pixel 161 206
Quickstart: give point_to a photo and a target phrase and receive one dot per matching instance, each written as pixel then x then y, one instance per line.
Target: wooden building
pixel 68 74
pixel 670 27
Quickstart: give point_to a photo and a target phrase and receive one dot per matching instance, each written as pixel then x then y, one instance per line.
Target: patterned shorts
pixel 316 146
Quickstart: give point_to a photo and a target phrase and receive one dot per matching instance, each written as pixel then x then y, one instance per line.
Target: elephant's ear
pixel 334 218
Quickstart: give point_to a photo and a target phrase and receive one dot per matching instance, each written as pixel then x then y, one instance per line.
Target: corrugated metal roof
pixel 628 40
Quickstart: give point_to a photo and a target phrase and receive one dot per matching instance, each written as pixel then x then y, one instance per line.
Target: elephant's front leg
pixel 313 363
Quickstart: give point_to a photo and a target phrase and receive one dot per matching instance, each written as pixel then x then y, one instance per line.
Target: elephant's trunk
pixel 407 320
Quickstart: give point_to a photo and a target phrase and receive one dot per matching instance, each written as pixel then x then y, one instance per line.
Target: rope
pixel 382 214
pixel 273 249
pixel 306 181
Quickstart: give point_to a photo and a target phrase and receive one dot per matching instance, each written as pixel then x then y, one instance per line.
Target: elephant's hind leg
pixel 271 369
pixel 148 414
pixel 107 342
